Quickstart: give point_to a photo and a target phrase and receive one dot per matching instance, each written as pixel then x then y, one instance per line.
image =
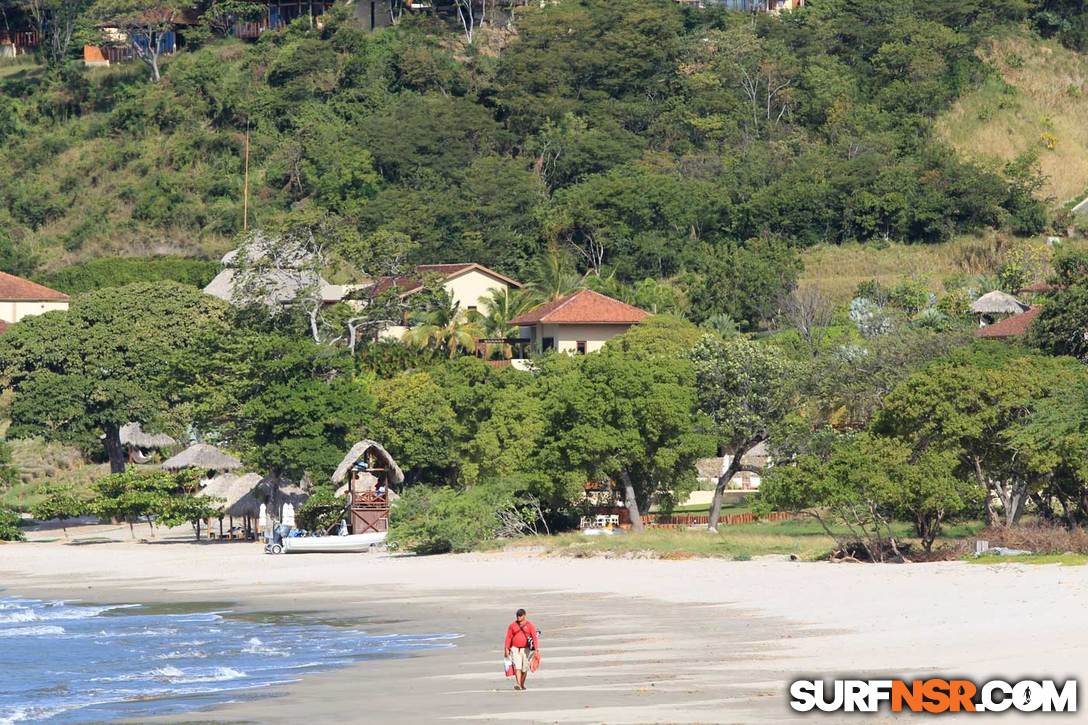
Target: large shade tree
pixel 80 375
pixel 977 403
pixel 622 417
pixel 746 389
pixel 290 405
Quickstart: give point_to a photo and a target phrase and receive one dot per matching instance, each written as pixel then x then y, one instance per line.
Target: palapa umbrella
pixel 237 492
pixel 997 303
pixel 203 456
pixel 132 434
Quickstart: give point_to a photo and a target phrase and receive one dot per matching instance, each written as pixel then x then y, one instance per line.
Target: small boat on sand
pixel 353 543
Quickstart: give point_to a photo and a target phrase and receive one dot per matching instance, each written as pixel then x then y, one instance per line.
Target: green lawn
pixel 704 509
pixel 20 68
pixel 803 538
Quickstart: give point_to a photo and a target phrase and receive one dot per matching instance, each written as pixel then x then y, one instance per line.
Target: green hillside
pixel 640 138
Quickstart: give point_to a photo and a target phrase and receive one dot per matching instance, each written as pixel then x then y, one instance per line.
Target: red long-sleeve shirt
pixel 515 637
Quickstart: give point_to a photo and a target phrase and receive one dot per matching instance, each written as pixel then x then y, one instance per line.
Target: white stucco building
pixel 468 285
pixel 21 298
pixel 580 322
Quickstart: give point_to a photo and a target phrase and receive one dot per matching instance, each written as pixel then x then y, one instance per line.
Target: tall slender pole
pixel 245 186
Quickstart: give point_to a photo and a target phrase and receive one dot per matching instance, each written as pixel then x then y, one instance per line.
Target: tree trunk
pixel 631 502
pixel 114 450
pixel 723 481
pixel 991 515
pixel 1015 505
pixel 131 531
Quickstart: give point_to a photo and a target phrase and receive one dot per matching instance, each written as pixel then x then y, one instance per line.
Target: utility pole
pixel 245 185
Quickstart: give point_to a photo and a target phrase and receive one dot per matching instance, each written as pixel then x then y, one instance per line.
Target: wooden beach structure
pixel 368 476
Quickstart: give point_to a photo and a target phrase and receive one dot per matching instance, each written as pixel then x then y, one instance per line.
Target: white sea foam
pixel 216 674
pixel 55 610
pixel 22 714
pixel 183 655
pixel 23 615
pixel 177 675
pixel 256 647
pixel 37 631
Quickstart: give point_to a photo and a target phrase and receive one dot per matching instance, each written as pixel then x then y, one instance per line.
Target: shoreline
pixel 623 640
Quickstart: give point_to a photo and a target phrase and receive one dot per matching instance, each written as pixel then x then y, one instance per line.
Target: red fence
pixel 683 520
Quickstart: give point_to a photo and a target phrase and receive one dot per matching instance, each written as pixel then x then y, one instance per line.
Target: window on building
pixel 581 345
pixel 472 308
pixel 547 343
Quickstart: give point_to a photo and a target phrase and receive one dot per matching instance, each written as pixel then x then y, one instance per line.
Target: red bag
pixel 508 667
pixel 534 662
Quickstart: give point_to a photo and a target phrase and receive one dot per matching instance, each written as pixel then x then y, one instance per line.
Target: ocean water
pixel 62 662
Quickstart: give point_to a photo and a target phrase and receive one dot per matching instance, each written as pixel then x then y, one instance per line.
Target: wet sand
pixel 623 641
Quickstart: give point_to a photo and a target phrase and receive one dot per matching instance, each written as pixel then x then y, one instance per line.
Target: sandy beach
pixel 624 640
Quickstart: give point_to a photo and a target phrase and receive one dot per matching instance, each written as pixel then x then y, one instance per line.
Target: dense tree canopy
pixel 82 374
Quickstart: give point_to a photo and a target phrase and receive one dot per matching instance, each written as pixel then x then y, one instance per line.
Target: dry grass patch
pixel 1039 538
pixel 1036 101
pixel 40 464
pixel 838 269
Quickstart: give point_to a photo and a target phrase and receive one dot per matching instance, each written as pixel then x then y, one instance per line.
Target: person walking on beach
pixel 522 647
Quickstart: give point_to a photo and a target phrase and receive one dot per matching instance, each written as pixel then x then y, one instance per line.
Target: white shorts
pixel 520 657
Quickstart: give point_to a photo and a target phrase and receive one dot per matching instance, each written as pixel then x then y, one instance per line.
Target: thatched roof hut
pixel 364 449
pixel 997 303
pixel 202 456
pixel 238 493
pixel 361 449
pixel 134 436
pixel 275 493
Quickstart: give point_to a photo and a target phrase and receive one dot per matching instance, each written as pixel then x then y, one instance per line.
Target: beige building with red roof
pixel 580 322
pixel 468 284
pixel 21 298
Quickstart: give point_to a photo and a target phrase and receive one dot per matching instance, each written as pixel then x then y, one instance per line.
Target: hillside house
pixel 14 43
pixel 21 298
pixel 580 322
pixel 468 285
pixel 749 6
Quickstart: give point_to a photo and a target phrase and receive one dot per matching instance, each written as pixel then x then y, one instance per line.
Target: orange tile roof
pixel 17 289
pixel 1040 287
pixel 1015 326
pixel 583 307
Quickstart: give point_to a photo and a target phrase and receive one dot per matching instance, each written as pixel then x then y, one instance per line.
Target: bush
pixel 866 483
pixel 322 511
pixel 441 520
pixel 61 504
pixel 9 526
pixel 119 271
pixel 9 474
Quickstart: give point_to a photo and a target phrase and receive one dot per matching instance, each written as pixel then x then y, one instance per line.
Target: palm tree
pixel 444 327
pixel 502 306
pixel 555 276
